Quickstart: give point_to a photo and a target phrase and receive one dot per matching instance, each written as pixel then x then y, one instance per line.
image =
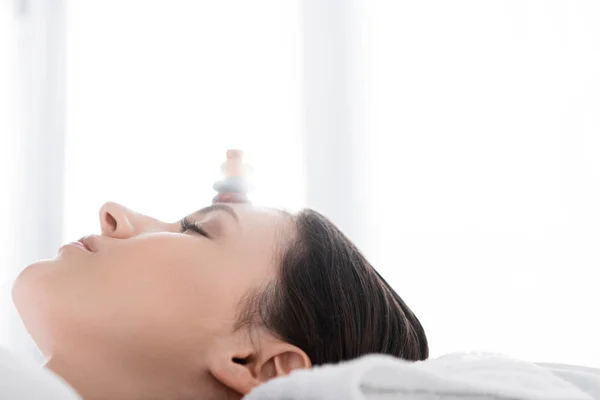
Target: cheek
pixel 165 288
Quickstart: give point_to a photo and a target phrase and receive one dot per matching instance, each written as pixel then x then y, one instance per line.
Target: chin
pixel 31 300
pixel 30 280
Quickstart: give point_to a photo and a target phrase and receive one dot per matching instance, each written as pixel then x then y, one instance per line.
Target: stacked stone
pixel 234 186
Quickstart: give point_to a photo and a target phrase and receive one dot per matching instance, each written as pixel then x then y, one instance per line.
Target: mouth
pixel 87 242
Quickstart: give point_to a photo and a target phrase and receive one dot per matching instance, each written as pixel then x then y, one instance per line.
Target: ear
pixel 242 372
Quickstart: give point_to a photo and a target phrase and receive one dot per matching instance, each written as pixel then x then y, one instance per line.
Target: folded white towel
pixel 452 377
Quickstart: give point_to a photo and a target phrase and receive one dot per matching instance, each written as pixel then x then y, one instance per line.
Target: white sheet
pixel 21 380
pixel 452 377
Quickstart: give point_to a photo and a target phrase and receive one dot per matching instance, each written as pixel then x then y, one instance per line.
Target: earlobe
pixel 235 375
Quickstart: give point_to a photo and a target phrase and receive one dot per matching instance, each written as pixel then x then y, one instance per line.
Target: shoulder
pixel 20 379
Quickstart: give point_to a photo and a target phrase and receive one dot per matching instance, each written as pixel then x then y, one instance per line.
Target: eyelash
pixel 188 225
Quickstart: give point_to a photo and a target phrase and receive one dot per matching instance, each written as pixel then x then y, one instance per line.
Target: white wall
pixel 34 148
pixel 334 134
pixel 485 157
pixel 7 155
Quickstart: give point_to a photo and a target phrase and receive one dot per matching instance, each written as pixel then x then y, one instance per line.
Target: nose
pixel 116 221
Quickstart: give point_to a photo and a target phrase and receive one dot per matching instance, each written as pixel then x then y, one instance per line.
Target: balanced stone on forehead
pixel 234 153
pixel 234 185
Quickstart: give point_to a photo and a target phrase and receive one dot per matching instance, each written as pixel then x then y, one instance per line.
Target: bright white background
pixel 8 129
pixel 484 123
pixel 472 129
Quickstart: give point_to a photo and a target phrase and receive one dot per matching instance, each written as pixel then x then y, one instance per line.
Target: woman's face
pixel 144 284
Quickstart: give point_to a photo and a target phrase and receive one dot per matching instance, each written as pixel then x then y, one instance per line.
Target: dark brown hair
pixel 331 303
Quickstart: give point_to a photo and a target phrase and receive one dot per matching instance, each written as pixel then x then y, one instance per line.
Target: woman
pixel 210 306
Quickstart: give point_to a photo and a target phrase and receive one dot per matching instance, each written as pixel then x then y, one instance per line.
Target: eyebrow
pixel 219 207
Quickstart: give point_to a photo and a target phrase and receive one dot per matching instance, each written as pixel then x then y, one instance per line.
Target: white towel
pixel 24 380
pixel 452 377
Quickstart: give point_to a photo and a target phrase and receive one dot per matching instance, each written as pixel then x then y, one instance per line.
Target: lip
pixel 86 244
pixel 76 245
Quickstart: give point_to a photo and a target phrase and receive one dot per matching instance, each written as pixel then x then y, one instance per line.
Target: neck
pixel 111 376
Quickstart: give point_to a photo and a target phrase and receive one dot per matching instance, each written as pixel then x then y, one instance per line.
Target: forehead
pixel 248 211
pixel 262 212
pixel 264 223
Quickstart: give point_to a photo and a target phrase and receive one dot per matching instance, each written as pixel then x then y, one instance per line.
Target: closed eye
pixel 188 225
